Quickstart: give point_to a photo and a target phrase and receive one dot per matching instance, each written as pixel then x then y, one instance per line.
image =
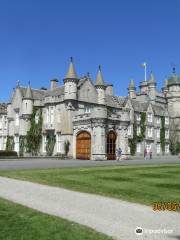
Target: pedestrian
pixel 119 153
pixel 145 154
pixel 150 154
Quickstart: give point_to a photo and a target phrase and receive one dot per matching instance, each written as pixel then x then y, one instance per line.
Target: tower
pixel 28 102
pixel 100 87
pixel 70 83
pixel 152 86
pixel 132 89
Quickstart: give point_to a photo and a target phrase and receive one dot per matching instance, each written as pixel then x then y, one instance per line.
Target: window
pixel 129 130
pixel 138 130
pixel 44 142
pixel 158 120
pixel 138 117
pixel 166 120
pixel 166 134
pixel 158 148
pixel 5 122
pixel 149 117
pixel 58 137
pixel 17 119
pixel 0 122
pixel 87 109
pixel 47 115
pixel 167 148
pixel 150 132
pixel 52 115
pixel 36 118
pixel 158 133
pixel 138 147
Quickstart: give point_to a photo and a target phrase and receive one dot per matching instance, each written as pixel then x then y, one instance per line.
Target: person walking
pixel 145 154
pixel 150 154
pixel 119 153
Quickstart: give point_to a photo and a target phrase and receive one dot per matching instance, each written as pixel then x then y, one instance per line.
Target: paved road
pixel 113 217
pixel 55 163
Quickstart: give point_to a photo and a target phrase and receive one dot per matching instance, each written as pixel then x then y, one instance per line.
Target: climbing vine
pixel 137 138
pixel 22 145
pixel 51 140
pixel 10 143
pixel 34 135
pixel 162 134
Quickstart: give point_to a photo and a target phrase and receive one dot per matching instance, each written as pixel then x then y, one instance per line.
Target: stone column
pixel 99 142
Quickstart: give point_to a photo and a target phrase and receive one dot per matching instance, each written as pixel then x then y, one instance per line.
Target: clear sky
pixel 37 38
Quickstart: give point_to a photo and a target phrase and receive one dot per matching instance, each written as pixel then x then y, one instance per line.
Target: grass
pixel 142 184
pixel 21 223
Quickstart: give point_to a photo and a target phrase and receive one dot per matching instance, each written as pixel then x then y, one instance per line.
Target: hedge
pixel 4 153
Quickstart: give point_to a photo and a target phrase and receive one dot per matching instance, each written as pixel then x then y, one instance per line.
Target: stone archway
pixel 111 145
pixel 83 145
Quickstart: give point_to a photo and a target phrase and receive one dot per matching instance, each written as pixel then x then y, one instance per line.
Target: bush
pixel 4 153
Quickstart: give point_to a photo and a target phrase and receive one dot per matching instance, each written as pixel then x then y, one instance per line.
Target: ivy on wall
pixel 10 143
pixel 51 140
pixel 34 135
pixel 22 145
pixel 138 138
pixel 162 134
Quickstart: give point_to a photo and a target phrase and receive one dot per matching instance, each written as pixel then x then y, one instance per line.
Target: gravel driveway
pixel 111 216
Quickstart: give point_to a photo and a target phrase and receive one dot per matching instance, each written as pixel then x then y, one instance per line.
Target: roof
pixel 55 92
pixel 28 94
pixel 173 80
pixel 159 110
pixel 139 106
pixel 131 85
pixel 71 73
pixel 37 94
pixel 152 79
pixel 99 78
pixel 115 101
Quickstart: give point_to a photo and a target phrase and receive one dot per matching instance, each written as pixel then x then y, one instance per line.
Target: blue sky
pixel 39 36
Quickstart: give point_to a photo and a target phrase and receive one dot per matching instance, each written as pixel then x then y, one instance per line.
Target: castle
pixel 91 119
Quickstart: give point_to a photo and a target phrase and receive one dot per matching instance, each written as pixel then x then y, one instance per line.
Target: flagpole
pixel 145 72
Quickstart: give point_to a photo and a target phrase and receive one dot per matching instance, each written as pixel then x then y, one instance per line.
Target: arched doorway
pixel 111 145
pixel 83 145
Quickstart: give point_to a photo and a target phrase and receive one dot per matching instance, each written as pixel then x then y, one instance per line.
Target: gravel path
pixel 111 216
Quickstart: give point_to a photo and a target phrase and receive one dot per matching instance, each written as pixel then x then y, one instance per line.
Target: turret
pixel 17 98
pixel 70 83
pixel 152 86
pixel 28 102
pixel 100 87
pixel 132 89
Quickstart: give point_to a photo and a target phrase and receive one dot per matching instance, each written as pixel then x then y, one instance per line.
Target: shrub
pixel 4 153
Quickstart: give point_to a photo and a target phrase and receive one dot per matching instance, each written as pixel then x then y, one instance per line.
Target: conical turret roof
pixel 99 78
pixel 71 71
pixel 152 78
pixel 28 94
pixel 132 84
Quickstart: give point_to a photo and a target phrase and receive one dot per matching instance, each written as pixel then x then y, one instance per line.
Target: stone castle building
pixel 92 119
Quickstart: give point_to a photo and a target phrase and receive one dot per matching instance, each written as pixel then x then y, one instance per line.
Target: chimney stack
pixel 54 83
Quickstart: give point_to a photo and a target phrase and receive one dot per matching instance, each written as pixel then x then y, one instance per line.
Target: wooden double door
pixel 83 146
pixel 111 145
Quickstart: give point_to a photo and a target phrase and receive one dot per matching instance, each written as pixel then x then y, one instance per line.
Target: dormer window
pixel 149 117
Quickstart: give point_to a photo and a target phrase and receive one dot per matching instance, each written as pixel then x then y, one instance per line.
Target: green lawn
pixel 143 184
pixel 21 223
